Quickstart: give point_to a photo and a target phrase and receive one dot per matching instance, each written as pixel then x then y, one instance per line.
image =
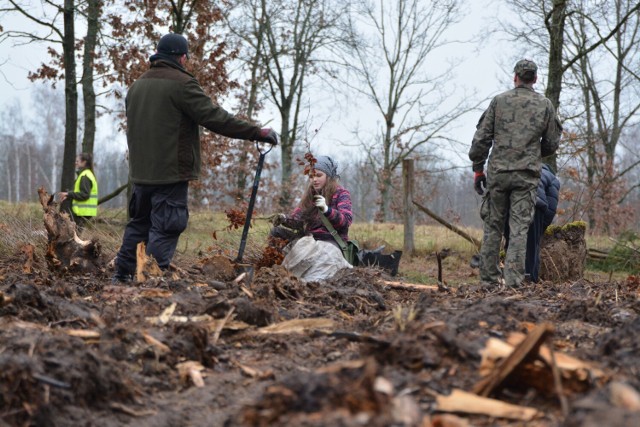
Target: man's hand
pixel 480 182
pixel 320 202
pixel 268 135
pixel 62 195
pixel 278 219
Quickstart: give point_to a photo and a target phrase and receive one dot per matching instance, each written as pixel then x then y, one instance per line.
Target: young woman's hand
pixel 278 219
pixel 321 203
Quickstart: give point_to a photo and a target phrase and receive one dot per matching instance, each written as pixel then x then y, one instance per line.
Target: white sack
pixel 313 260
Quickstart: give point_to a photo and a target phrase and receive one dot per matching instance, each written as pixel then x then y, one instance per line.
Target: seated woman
pixel 323 196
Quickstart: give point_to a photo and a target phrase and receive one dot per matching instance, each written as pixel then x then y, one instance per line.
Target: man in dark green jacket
pixel 165 108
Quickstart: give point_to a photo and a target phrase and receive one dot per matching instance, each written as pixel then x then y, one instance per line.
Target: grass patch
pixel 624 257
pixel 22 223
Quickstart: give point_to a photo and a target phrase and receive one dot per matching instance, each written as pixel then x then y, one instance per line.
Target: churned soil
pixel 198 348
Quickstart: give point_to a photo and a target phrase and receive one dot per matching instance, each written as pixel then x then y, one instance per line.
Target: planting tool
pixel 248 268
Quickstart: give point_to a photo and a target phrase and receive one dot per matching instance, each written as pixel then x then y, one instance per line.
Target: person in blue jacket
pixel 546 206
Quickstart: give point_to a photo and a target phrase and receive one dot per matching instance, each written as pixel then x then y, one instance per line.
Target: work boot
pixel 120 278
pixel 475 261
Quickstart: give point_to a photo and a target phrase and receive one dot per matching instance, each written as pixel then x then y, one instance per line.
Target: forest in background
pixel 271 57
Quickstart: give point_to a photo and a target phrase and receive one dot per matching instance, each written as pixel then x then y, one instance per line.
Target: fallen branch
pixel 450 226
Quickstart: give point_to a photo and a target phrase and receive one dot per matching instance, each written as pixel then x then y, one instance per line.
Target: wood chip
pixel 255 373
pixel 155 293
pixel 469 403
pixel 410 286
pixel 525 351
pixel 299 326
pixel 624 396
pixel 564 361
pixel 191 370
pixel 167 313
pixel 158 345
pixel 82 333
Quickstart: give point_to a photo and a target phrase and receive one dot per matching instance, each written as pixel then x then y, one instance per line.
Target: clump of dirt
pixel 338 392
pixel 29 303
pixel 60 370
pixel 621 344
pixel 587 311
pixel 218 267
pixel 495 312
pixel 563 253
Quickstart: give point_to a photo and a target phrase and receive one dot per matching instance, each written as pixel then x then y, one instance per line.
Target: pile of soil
pixel 197 348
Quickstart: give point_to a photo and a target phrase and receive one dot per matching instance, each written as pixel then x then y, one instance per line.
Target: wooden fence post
pixel 408 206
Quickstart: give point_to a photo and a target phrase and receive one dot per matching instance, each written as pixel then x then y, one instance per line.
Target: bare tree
pixel 56 34
pixel 297 33
pixel 93 11
pixel 606 78
pixel 542 29
pixel 249 36
pixel 391 45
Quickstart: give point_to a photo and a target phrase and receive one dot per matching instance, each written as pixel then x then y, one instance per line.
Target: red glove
pixel 480 182
pixel 268 135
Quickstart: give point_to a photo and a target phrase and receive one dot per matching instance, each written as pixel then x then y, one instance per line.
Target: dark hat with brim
pixel 173 44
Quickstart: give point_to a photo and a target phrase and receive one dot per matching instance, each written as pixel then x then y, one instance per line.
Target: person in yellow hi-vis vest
pixel 84 197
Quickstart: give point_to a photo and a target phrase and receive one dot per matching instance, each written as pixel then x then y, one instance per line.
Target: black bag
pixel 376 258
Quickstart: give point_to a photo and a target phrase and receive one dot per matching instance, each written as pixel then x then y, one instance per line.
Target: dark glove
pixel 278 219
pixel 268 135
pixel 480 182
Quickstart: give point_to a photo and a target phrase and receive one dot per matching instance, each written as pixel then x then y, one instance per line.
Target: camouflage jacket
pixel 522 127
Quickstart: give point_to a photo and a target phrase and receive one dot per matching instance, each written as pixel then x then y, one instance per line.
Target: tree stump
pixel 65 250
pixel 563 252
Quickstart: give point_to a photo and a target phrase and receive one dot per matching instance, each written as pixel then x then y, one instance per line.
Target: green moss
pixel 552 229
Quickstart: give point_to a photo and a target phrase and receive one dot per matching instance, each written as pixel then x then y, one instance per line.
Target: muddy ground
pixel 78 351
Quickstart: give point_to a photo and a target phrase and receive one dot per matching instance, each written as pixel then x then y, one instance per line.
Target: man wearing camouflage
pixel 522 127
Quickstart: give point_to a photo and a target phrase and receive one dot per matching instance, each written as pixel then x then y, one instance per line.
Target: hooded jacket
pixel 165 108
pixel 548 194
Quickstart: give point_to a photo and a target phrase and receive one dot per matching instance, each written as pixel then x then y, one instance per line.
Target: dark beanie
pixel 173 44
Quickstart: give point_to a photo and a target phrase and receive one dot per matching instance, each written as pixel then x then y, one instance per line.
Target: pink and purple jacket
pixel 339 214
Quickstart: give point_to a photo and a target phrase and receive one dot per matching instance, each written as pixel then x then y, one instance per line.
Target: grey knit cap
pixel 327 165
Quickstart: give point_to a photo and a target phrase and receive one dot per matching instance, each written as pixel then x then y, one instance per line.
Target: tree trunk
pixel 18 171
pixel 286 149
pixel 409 210
pixel 556 45
pixel 70 97
pixel 88 91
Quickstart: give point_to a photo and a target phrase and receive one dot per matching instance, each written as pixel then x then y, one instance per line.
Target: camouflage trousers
pixel 511 194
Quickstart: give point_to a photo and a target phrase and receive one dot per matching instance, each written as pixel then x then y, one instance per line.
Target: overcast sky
pixel 480 70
